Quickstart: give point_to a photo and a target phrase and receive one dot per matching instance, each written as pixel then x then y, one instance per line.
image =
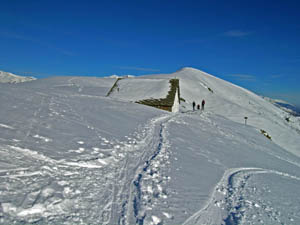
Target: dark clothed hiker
pixel 202 104
pixel 194 104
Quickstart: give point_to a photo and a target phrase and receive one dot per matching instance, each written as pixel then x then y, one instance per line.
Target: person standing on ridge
pixel 198 107
pixel 202 104
pixel 194 104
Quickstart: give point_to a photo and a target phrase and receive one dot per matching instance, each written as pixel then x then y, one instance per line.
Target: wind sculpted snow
pixel 70 155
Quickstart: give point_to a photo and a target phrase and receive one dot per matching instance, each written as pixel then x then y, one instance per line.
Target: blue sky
pixel 254 44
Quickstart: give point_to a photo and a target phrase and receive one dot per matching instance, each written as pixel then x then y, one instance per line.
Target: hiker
pixel 202 104
pixel 198 107
pixel 194 104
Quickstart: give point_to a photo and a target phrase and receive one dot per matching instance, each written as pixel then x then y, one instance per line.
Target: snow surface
pixel 236 103
pixel 124 76
pixel 70 155
pixel 6 77
pixel 141 88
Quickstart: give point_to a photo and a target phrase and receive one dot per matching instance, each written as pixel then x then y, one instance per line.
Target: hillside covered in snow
pixel 72 154
pixel 293 110
pixel 6 77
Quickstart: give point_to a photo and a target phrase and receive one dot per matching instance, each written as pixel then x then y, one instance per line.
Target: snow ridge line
pixel 225 192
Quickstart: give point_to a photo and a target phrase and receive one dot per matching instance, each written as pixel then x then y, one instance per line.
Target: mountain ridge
pixel 224 98
pixel 286 106
pixel 7 77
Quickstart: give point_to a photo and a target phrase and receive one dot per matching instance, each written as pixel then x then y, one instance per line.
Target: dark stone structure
pixel 165 103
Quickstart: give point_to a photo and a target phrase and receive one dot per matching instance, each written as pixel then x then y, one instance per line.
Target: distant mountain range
pixel 289 108
pixel 6 77
pixel 284 106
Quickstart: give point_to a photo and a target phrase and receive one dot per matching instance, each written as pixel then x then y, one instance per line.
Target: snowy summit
pixel 86 150
pixel 6 77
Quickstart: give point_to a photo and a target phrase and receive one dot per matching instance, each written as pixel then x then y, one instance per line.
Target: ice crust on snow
pixel 71 155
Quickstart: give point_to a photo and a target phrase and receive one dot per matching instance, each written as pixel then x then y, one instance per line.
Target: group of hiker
pixel 198 106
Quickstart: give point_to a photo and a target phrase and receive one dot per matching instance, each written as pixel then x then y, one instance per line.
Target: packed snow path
pixel 232 203
pixel 148 177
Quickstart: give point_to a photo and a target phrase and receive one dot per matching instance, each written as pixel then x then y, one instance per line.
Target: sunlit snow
pixel 6 77
pixel 71 155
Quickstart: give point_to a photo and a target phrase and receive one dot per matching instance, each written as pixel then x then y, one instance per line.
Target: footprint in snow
pixel 79 150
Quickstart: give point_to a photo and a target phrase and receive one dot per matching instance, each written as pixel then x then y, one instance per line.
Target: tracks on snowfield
pixel 129 197
pixel 227 203
pixel 137 182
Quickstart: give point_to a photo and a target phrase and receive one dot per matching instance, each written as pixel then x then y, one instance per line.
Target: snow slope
pixel 235 103
pixel 293 110
pixel 70 155
pixel 135 89
pixel 6 77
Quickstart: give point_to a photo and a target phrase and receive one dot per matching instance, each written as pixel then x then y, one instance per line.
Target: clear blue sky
pixel 255 44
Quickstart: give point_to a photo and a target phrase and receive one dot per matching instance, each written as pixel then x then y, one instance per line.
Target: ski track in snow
pixel 6 126
pixel 129 193
pixel 64 199
pixel 131 208
pixel 129 201
pixel 226 204
pixel 137 202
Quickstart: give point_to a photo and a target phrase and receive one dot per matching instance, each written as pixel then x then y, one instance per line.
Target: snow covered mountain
pixel 284 106
pixel 71 155
pixel 116 76
pixel 6 77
